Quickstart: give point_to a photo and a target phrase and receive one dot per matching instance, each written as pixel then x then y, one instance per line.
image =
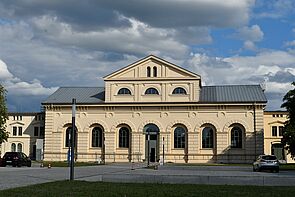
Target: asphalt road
pixel 11 177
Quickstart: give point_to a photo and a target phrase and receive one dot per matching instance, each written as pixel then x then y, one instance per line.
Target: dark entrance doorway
pixel 151 132
pixel 278 150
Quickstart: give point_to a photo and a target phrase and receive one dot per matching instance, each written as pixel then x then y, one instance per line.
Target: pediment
pixel 17 123
pixel 138 71
pixel 277 122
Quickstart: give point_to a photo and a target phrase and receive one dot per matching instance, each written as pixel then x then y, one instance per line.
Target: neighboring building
pixel 24 131
pixel 153 108
pixel 273 133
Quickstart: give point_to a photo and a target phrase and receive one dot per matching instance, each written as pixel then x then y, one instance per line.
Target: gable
pixel 139 70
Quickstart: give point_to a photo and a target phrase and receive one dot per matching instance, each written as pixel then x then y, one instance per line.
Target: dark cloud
pixel 91 14
pixel 282 77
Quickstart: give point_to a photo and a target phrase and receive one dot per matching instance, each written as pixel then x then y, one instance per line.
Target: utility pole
pixel 73 139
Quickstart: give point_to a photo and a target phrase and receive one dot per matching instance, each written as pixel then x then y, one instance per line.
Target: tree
pixel 3 115
pixel 288 139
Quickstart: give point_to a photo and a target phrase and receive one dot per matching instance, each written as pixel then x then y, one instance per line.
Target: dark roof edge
pixel 24 113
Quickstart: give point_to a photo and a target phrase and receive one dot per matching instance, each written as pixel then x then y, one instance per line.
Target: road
pixel 218 175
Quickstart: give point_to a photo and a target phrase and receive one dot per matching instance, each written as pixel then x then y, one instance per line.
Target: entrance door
pixel 278 151
pixel 151 142
pixel 34 151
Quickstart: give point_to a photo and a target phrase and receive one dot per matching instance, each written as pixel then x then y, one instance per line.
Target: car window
pixel 269 157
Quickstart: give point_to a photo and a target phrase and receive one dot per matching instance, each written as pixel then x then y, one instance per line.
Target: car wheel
pixel 29 164
pixel 254 170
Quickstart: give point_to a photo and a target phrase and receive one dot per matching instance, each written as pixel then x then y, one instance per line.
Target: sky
pixel 51 43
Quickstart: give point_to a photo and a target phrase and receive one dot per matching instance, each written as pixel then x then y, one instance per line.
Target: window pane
pixel 155 71
pixel 207 137
pixel 236 137
pixel 13 147
pixel 36 131
pixel 179 91
pixel 281 129
pixel 124 91
pixel 274 131
pixel 148 70
pixel 97 137
pixel 68 137
pixel 20 131
pixel 14 131
pixel 124 137
pixel 179 137
pixel 19 148
pixel 151 91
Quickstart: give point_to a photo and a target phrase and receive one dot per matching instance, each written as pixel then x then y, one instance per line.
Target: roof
pixel 23 113
pixel 232 93
pixel 85 95
pixel 209 94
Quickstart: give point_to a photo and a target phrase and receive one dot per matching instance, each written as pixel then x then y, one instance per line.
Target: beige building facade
pixel 273 133
pixel 153 110
pixel 24 131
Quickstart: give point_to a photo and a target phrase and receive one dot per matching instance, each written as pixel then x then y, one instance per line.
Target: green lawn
pixel 83 188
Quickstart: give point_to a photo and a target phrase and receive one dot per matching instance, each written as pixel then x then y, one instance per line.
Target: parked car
pixel 266 162
pixel 16 159
pixel 1 162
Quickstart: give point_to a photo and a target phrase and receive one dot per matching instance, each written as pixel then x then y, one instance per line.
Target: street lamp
pixel 73 139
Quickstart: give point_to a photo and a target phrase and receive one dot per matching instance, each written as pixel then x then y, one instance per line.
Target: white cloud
pixel 249 45
pixel 15 86
pixel 139 38
pixel 290 43
pixel 272 65
pixel 253 33
pixel 276 87
pixel 275 8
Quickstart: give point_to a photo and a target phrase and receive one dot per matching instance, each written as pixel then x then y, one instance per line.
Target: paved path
pixel 219 175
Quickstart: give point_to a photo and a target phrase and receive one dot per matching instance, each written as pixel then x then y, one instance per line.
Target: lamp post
pixel 73 139
pixel 148 145
pixel 163 149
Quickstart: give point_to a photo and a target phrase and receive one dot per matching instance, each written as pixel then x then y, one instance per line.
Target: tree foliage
pixel 3 115
pixel 288 139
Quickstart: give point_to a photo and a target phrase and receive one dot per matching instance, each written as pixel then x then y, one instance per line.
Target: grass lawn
pixel 83 188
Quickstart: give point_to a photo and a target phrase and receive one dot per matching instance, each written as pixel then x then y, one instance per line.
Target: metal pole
pixel 163 150
pixel 73 139
pixel 148 153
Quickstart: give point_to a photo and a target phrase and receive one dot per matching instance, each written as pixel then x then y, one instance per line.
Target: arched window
pixel 152 91
pixel 207 137
pixel 19 147
pixel 13 147
pixel 179 137
pixel 124 137
pixel 155 71
pixel 236 137
pixel 97 137
pixel 68 137
pixel 124 91
pixel 148 71
pixel 179 90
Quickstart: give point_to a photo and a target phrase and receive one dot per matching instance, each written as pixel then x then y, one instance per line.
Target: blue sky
pixel 48 44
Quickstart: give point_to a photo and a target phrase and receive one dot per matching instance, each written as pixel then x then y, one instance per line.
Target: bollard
pixel 132 166
pixel 41 165
pixel 49 165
